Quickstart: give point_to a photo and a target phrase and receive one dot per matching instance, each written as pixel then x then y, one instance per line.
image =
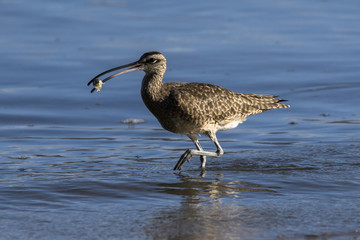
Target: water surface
pixel 70 169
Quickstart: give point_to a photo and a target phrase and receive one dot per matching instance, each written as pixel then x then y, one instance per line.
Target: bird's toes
pixel 188 155
pixel 185 157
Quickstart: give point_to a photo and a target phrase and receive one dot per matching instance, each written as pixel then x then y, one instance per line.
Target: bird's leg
pixel 219 150
pixel 190 152
pixel 202 157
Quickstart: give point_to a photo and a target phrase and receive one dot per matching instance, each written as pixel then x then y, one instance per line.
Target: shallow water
pixel 70 169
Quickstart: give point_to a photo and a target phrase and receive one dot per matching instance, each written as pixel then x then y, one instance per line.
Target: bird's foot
pixel 203 162
pixel 185 157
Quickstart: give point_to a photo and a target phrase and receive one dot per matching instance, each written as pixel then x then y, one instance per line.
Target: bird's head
pixel 150 62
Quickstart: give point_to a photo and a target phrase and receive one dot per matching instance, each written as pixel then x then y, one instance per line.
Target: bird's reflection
pixel 202 213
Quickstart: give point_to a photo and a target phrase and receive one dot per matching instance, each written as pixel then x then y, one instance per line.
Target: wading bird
pixel 191 108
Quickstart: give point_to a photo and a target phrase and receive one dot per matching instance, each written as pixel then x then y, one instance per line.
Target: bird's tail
pixel 265 102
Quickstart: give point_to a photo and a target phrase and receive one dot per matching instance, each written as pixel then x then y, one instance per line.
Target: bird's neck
pixel 151 86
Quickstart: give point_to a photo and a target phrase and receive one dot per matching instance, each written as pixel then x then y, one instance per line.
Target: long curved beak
pixel 131 67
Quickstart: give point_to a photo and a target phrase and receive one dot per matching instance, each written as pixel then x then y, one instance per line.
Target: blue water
pixel 70 169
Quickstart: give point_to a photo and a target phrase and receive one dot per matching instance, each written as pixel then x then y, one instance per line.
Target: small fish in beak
pixel 97 85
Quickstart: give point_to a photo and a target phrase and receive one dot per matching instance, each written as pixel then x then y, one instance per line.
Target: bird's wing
pixel 207 101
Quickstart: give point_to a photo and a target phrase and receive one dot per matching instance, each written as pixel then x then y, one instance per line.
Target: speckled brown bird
pixel 192 108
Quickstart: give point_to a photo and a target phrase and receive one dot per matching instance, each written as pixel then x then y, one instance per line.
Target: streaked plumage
pixel 193 108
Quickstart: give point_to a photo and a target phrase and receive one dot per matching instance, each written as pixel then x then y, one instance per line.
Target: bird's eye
pixel 152 60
